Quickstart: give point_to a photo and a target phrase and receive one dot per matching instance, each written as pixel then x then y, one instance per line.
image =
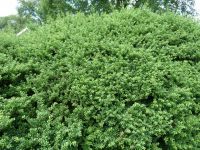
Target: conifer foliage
pixel 125 80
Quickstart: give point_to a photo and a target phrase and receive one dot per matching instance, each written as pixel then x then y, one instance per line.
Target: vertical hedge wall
pixel 126 80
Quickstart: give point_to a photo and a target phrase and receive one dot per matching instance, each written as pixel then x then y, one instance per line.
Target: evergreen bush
pixel 125 80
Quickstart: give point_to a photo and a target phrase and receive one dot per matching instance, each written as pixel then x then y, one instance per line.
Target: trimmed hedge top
pixel 125 80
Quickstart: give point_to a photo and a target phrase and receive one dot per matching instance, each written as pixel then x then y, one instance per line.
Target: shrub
pixel 126 80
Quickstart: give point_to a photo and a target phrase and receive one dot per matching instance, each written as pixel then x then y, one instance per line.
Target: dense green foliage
pixel 42 9
pixel 126 80
pixel 32 12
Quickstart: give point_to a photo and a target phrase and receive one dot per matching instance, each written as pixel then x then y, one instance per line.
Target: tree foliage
pixel 127 80
pixel 12 23
pixel 41 9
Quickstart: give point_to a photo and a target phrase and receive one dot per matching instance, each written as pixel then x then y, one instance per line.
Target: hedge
pixel 125 80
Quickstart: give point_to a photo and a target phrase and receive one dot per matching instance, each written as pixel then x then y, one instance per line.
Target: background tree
pixel 178 6
pixel 12 23
pixel 40 9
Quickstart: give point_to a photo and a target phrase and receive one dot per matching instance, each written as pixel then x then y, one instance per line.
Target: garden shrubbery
pixel 125 80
